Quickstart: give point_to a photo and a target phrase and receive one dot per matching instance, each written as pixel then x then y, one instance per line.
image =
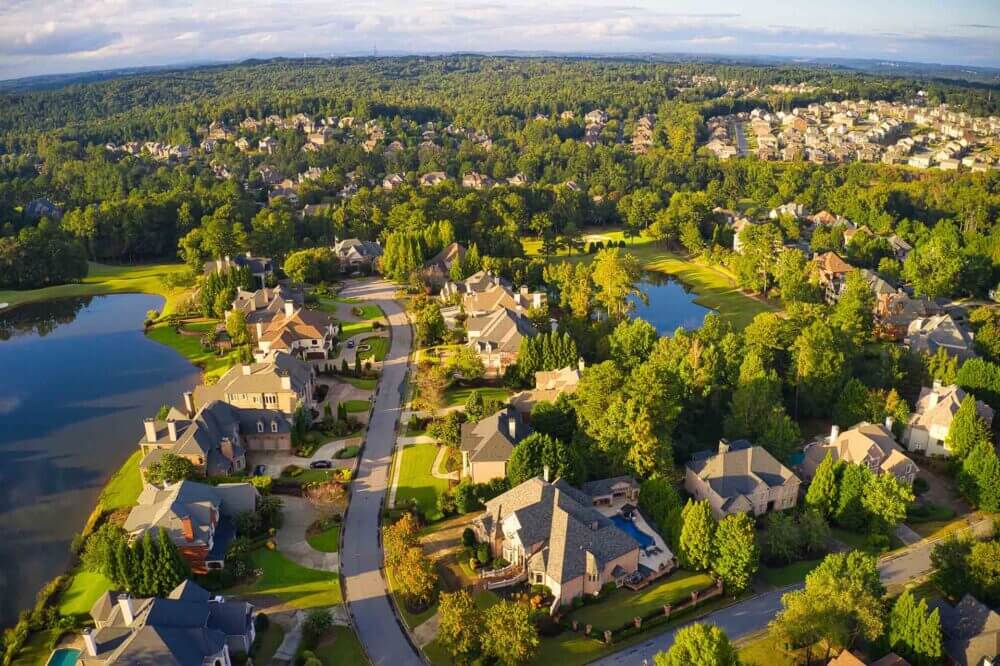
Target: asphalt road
pixel 361 554
pixel 752 615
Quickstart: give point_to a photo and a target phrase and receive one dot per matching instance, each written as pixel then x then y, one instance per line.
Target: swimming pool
pixel 627 526
pixel 64 657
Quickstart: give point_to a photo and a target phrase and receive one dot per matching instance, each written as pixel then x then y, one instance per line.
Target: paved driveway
pixel 361 553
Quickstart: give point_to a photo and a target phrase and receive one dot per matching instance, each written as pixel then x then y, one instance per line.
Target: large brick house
pixel 496 338
pixel 741 478
pixel 871 445
pixel 280 381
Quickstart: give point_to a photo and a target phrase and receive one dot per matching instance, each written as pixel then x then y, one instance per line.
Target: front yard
pixel 415 479
pixel 459 395
pixel 294 585
pixel 621 605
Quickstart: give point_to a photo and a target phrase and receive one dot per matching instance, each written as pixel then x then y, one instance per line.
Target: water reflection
pixel 670 304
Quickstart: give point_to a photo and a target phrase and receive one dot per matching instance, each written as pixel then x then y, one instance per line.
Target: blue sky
pixel 52 36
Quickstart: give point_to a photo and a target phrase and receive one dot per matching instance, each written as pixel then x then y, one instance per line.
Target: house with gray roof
pixel 198 518
pixel 281 381
pixel 261 306
pixel 261 268
pixel 496 338
pixel 927 335
pixel 741 478
pixel 927 430
pixel 971 632
pixel 354 254
pixel 487 444
pixel 190 627
pixel 216 438
pixel 552 535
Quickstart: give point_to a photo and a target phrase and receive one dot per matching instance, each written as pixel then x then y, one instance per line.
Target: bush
pixel 261 622
pixel 877 542
pixel 920 486
pixel 316 624
pixel 483 553
pixel 468 537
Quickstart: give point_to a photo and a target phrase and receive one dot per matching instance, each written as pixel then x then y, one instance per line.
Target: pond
pixel 671 304
pixel 77 376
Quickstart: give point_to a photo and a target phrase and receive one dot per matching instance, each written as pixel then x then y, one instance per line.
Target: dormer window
pixel 274 426
pixel 260 426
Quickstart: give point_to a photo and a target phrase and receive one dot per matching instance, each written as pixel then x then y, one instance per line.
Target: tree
pixel 474 406
pixel 697 535
pixel 311 265
pixel 754 400
pixel 555 418
pixel 819 362
pixel 170 469
pixel 852 404
pixel 699 645
pixel 853 314
pixel 398 537
pixel 317 622
pixel 236 327
pixel 984 570
pixel 792 273
pixel 885 500
pixel 951 570
pixel 756 261
pixel 967 429
pixel 615 274
pixel 979 478
pixel 459 624
pixel 430 328
pixel 850 511
pixel 813 531
pixel 467 364
pixel 780 540
pixel 538 451
pixel 934 267
pixel 100 551
pixel 735 556
pixel 415 575
pixel 823 489
pixel 660 502
pixel 509 635
pixel 631 343
pixel 432 380
pixel 172 569
pixel 914 632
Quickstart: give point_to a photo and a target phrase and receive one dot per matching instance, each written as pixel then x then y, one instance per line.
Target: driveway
pixel 298 515
pixel 361 554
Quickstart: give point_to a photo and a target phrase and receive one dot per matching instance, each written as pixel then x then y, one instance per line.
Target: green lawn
pixel 38 647
pixel 367 310
pixel 82 592
pixel 853 539
pixel 786 575
pixel 363 383
pixel 622 605
pixel 348 452
pixel 379 348
pixel 344 650
pixel 458 395
pixel 123 488
pixel 349 328
pixel 295 585
pixel 107 279
pixel 356 406
pixel 763 650
pixel 415 480
pixel 267 643
pixel 411 619
pixel 327 541
pixel 189 346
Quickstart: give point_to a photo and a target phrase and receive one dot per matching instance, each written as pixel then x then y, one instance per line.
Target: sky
pixel 60 36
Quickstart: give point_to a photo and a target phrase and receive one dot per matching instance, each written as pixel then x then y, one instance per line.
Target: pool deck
pixel 665 558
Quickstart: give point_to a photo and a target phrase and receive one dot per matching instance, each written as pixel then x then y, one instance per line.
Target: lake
pixel 671 304
pixel 77 376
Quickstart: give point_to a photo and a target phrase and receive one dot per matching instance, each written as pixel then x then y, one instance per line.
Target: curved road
pixel 361 555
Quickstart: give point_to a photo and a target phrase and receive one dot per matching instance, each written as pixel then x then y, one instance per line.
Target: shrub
pixel 468 537
pixel 483 553
pixel 316 624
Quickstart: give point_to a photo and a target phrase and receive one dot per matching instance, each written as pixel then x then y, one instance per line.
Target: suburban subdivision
pixel 501 360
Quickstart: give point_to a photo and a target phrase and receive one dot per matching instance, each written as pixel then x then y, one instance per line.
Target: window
pixel 260 426
pixel 274 426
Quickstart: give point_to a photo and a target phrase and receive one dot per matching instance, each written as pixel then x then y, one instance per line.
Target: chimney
pixel 511 426
pixel 260 330
pixel 128 612
pixel 88 640
pixel 226 447
pixel 150 426
pixel 834 433
pixel 889 421
pixel 189 403
pixel 187 528
pixel 289 308
pixel 286 381
pixel 545 473
pixel 247 369
pixel 172 430
pixel 723 445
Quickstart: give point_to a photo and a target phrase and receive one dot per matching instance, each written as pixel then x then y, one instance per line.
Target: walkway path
pixel 365 592
pixel 439 460
pixel 752 615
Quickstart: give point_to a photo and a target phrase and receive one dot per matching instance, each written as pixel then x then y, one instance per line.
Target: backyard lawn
pixel 189 346
pixel 621 605
pixel 342 649
pixel 82 592
pixel 295 585
pixel 356 406
pixel 327 541
pixel 38 647
pixel 458 395
pixel 107 279
pixel 379 348
pixel 415 480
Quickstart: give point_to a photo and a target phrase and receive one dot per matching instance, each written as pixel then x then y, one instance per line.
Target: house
pixel 261 268
pixel 499 296
pixel 848 658
pixel 435 272
pixel 865 444
pixel 929 423
pixel 308 333
pixel 549 385
pixel 894 312
pixel 216 438
pixel 42 207
pixel 497 336
pixel 900 248
pixel 552 535
pixel 267 144
pixel 189 626
pixel 476 180
pixel 832 274
pixel 927 335
pixel 475 283
pixel 487 444
pixel 611 492
pixel 392 181
pixel 261 306
pixel 433 178
pixel 971 632
pixel 282 382
pixel 878 285
pixel 741 478
pixel 353 253
pixel 198 518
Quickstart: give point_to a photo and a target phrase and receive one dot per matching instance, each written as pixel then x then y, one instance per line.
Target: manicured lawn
pixel 458 395
pixel 411 619
pixel 852 539
pixel 349 328
pixel 622 605
pixel 107 279
pixel 82 592
pixel 356 406
pixel 189 346
pixel 786 575
pixel 363 383
pixel 327 541
pixel 368 310
pixel 763 650
pixel 348 452
pixel 38 647
pixel 379 348
pixel 308 475
pixel 415 480
pixel 297 586
pixel 267 643
pixel 344 650
pixel 123 488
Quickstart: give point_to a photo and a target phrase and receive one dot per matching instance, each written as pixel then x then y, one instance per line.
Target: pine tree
pixel 697 535
pixel 967 429
pixel 822 493
pixel 915 633
pixel 474 406
pixel 123 561
pixel 173 569
pixel 850 512
pixel 341 411
pixel 150 565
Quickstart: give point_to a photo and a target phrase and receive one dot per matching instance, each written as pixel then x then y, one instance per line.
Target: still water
pixel 670 304
pixel 77 376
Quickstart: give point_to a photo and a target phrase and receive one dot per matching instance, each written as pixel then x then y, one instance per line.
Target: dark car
pixel 350 344
pixel 320 464
pixel 259 470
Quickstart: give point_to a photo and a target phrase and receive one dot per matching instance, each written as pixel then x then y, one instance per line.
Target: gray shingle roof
pixel 489 439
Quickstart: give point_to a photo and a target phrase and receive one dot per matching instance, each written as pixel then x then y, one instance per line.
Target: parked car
pixel 259 470
pixel 350 344
pixel 320 464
